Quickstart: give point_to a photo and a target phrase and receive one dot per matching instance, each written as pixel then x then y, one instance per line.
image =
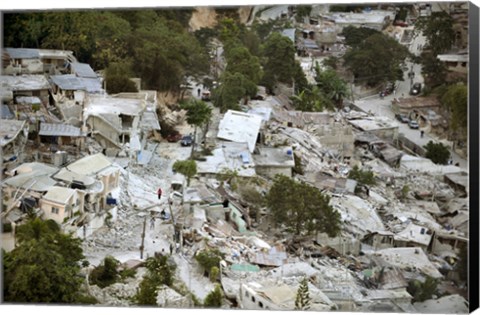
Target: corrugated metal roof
pixel 59 130
pixel 276 257
pixel 240 127
pixel 23 53
pixel 92 85
pixel 59 194
pixel 68 82
pixel 83 70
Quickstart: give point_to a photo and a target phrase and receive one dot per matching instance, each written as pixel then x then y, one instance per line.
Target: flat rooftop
pixel 24 82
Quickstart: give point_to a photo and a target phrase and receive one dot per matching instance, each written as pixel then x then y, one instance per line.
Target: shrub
pixel 105 274
pixel 214 298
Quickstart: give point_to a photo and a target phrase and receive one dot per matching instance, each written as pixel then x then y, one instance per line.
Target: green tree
pixel 106 273
pixel 214 298
pixel 187 168
pixel 44 267
pixel 455 100
pixel 362 177
pixel 234 86
pixel 377 59
pixel 159 272
pixel 354 36
pixel 421 291
pixel 434 71
pixel 437 152
pixel 302 300
pixel 239 59
pixel 438 29
pixel 209 258
pixel 279 56
pixel 331 62
pixel 332 86
pixel 302 11
pixel 301 207
pixel 198 114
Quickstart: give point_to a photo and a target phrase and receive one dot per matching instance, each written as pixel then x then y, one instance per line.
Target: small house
pixel 60 204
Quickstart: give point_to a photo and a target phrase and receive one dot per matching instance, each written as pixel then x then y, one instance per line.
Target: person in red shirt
pixel 159 193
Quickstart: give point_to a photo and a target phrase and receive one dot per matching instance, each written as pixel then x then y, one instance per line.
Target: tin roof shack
pixel 13 137
pixel 27 85
pixel 37 61
pixel 22 61
pixel 272 161
pixel 114 122
pixel 228 156
pixel 240 127
pixel 70 90
pixel 412 261
pixel 61 135
pixel 382 127
pixel 61 203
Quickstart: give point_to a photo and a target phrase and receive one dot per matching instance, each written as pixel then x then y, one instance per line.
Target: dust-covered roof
pixel 23 53
pixel 59 130
pixel 90 165
pixel 9 130
pixel 34 176
pixel 228 156
pixel 240 127
pixel 24 82
pixel 83 70
pixel 59 195
pixel 278 157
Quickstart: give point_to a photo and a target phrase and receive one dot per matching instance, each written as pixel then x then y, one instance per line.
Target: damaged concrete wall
pixel 271 171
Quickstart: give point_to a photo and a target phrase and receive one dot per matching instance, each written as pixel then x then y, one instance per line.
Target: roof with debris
pixel 69 177
pixel 59 195
pixel 232 156
pixel 450 304
pixel 71 82
pixel 374 123
pixel 406 258
pixel 460 179
pixel 33 176
pixel 358 213
pixel 416 234
pixel 9 130
pixel 240 127
pixel 24 82
pixel 104 105
pixel 59 130
pixel 83 70
pixel 275 157
pixel 90 165
pixel 56 54
pixel 300 119
pixel 150 121
pixel 264 112
pixel 333 184
pixel 423 165
pixel 23 53
pixel 275 257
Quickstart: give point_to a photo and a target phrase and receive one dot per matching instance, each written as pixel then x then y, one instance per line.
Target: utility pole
pixel 143 238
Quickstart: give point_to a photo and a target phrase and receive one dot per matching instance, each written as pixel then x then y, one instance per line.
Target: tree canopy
pixel 455 100
pixel 377 59
pixel 437 152
pixel 438 29
pixel 301 207
pixel 354 36
pixel 188 168
pixel 44 267
pixel 155 42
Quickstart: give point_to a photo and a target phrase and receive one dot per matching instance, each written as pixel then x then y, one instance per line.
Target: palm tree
pixel 338 92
